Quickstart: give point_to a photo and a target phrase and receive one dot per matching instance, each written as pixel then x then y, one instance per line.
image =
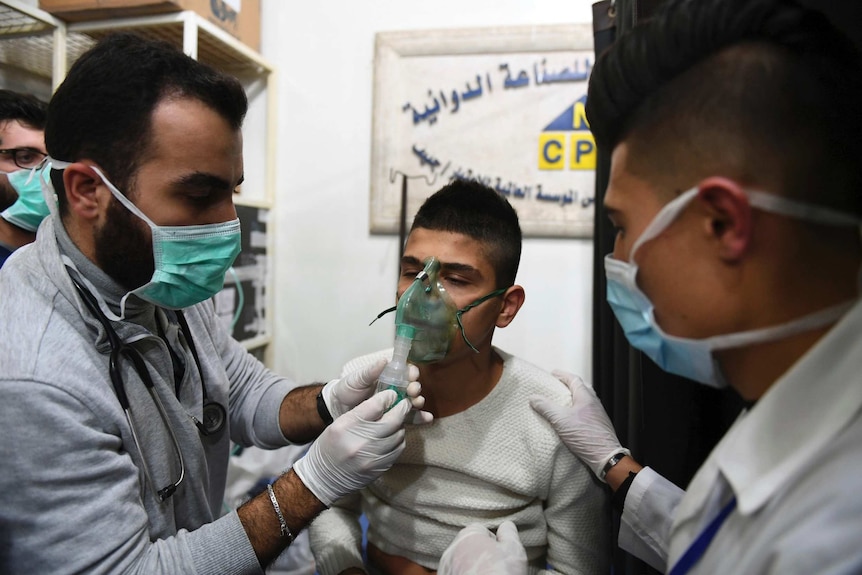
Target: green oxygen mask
pixel 427 315
pixel 424 324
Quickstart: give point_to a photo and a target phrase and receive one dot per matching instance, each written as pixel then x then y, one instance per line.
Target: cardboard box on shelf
pixel 240 18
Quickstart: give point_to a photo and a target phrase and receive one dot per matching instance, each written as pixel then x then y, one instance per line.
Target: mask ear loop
pixel 49 194
pixel 479 301
pixel 35 169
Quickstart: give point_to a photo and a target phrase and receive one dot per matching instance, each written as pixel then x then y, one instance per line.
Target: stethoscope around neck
pixel 214 414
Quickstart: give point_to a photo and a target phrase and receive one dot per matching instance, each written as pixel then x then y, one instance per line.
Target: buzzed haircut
pixel 764 91
pixel 475 210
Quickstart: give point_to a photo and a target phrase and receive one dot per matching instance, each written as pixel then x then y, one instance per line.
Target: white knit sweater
pixel 495 461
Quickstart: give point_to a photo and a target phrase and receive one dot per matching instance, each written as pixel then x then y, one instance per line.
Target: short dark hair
pixel 25 108
pixel 763 91
pixel 473 209
pixel 103 109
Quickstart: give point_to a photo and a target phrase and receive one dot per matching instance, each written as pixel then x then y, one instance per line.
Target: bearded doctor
pixel 121 391
pixel 736 191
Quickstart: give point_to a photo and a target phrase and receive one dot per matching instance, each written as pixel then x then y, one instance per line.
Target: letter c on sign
pixel 546 151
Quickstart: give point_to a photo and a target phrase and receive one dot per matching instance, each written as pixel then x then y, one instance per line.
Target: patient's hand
pixel 394 564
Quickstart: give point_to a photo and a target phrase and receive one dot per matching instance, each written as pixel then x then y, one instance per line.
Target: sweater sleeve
pixel 254 394
pixel 336 536
pixel 577 513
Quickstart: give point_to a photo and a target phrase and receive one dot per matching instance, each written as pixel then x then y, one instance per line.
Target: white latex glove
pixel 584 427
pixel 342 395
pixel 477 551
pixel 356 449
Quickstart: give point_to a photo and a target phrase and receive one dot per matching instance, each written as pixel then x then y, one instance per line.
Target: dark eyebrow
pixel 444 267
pixel 24 148
pixel 411 261
pixel 203 180
pixel 456 267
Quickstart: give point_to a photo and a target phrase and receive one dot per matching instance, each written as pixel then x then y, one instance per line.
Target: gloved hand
pixel 342 395
pixel 584 427
pixel 356 449
pixel 477 551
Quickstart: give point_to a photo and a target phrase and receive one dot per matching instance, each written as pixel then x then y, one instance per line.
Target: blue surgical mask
pixel 30 208
pixel 190 261
pixel 692 358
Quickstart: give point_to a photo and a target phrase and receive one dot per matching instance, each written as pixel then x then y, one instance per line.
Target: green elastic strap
pixel 479 301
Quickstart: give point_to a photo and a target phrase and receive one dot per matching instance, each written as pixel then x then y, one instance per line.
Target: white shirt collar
pixel 804 410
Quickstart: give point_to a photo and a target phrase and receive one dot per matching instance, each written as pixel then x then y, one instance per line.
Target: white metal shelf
pixel 210 45
pixel 32 40
pixel 198 38
pixel 37 43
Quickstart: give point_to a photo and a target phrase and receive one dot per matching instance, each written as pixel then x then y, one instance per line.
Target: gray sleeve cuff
pixel 226 548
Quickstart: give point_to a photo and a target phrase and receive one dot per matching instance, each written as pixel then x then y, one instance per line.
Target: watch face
pixel 214 418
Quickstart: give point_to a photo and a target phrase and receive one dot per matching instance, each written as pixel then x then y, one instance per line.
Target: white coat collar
pixel 799 415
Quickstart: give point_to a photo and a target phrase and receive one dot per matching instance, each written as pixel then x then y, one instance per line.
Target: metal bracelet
pixel 282 523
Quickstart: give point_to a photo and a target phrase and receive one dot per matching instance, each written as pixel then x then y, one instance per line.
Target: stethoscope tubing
pixel 217 414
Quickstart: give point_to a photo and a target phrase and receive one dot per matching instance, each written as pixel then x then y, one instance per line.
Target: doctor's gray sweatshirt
pixel 75 496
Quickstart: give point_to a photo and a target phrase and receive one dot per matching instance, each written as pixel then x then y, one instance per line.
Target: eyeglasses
pixel 25 158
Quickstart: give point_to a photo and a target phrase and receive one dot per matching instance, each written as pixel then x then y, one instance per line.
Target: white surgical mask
pixel 692 358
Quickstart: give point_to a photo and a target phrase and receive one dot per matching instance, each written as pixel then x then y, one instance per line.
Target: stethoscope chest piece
pixel 214 418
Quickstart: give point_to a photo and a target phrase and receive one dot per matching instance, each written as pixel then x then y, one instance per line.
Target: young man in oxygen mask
pixel 22 155
pixel 736 192
pixel 487 456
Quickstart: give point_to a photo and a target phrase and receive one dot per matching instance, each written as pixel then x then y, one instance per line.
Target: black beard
pixel 123 249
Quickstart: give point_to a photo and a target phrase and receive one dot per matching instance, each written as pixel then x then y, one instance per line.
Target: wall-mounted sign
pixel 504 106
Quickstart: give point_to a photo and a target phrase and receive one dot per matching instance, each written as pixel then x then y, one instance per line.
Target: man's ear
pixel 729 216
pixel 513 299
pixel 82 184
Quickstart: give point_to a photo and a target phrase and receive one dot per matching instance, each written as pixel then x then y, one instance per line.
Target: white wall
pixel 331 276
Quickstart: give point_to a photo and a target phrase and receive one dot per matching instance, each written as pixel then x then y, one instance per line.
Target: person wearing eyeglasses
pixel 121 391
pixel 22 149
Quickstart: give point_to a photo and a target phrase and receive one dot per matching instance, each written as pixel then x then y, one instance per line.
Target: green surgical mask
pixel 426 314
pixel 30 208
pixel 190 261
